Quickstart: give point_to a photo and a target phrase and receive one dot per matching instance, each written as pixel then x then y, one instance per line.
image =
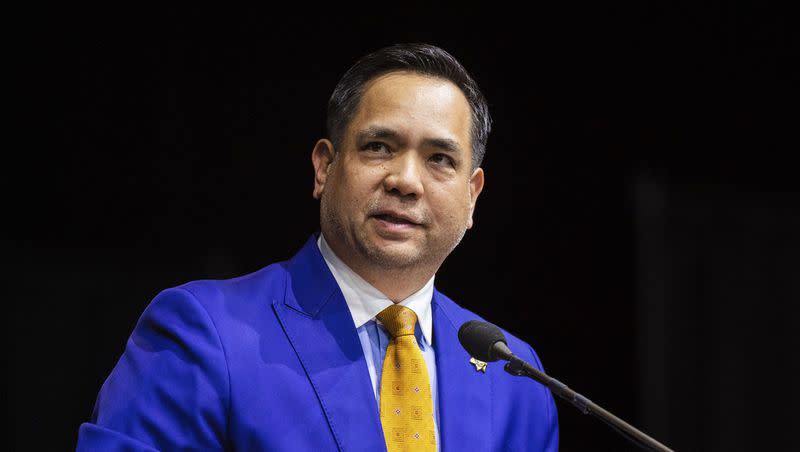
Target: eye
pixel 375 146
pixel 443 159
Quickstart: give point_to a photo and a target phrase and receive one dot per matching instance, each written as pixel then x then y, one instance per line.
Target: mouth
pixel 396 218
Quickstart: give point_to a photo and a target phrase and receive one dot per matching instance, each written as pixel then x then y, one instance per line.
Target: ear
pixel 475 188
pixel 322 157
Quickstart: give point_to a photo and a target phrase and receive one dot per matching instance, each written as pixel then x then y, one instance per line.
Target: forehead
pixel 413 103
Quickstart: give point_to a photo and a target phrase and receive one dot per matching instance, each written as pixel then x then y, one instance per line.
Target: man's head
pixel 419 58
pixel 399 181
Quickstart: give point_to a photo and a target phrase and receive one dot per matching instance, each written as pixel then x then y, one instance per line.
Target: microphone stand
pixel 517 367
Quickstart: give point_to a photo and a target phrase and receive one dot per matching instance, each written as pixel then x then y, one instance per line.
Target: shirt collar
pixel 365 301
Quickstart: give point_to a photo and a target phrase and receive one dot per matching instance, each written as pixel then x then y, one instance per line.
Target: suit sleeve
pixel 170 388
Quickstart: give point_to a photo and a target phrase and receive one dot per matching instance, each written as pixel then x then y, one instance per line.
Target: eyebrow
pixel 377 132
pixel 373 132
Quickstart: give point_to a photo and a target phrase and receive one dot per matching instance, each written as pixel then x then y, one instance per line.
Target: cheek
pixel 451 206
pixel 354 192
pixel 364 182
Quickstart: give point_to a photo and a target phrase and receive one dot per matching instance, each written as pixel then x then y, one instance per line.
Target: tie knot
pixel 398 320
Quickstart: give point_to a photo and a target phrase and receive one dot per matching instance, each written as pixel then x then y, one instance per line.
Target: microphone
pixel 487 342
pixel 484 341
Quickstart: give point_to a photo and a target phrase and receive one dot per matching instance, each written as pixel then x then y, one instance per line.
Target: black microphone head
pixel 478 339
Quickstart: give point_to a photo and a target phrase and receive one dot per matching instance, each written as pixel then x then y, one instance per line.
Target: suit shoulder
pixel 458 315
pixel 263 281
pixel 221 298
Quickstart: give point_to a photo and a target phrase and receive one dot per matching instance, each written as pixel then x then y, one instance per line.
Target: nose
pixel 404 176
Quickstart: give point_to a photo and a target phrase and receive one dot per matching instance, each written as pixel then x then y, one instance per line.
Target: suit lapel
pixel 464 393
pixel 318 323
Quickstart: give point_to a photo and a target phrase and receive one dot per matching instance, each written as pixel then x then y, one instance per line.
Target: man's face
pixel 401 190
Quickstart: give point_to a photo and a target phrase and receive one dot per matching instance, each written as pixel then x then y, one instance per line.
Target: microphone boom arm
pixel 517 367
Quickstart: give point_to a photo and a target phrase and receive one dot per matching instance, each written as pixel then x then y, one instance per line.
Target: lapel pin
pixel 480 366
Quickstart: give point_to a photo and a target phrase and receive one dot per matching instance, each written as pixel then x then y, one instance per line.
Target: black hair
pixel 424 59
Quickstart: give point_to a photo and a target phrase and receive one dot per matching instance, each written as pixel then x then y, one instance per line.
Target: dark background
pixel 640 224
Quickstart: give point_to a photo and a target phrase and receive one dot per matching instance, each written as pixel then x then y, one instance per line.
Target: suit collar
pixel 319 326
pixel 365 301
pixel 311 283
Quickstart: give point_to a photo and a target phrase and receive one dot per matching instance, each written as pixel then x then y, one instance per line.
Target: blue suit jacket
pixel 272 361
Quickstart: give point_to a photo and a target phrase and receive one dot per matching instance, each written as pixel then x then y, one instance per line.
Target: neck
pixel 396 284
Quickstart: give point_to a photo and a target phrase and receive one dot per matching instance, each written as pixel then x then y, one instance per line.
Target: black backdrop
pixel 639 224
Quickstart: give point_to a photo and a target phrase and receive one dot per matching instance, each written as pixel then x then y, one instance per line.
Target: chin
pixel 396 256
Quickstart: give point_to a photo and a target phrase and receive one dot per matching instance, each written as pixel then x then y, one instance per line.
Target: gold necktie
pixel 406 403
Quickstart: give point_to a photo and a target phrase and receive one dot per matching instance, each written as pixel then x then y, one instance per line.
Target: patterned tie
pixel 406 403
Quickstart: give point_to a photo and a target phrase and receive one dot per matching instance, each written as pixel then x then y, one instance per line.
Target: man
pixel 348 345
